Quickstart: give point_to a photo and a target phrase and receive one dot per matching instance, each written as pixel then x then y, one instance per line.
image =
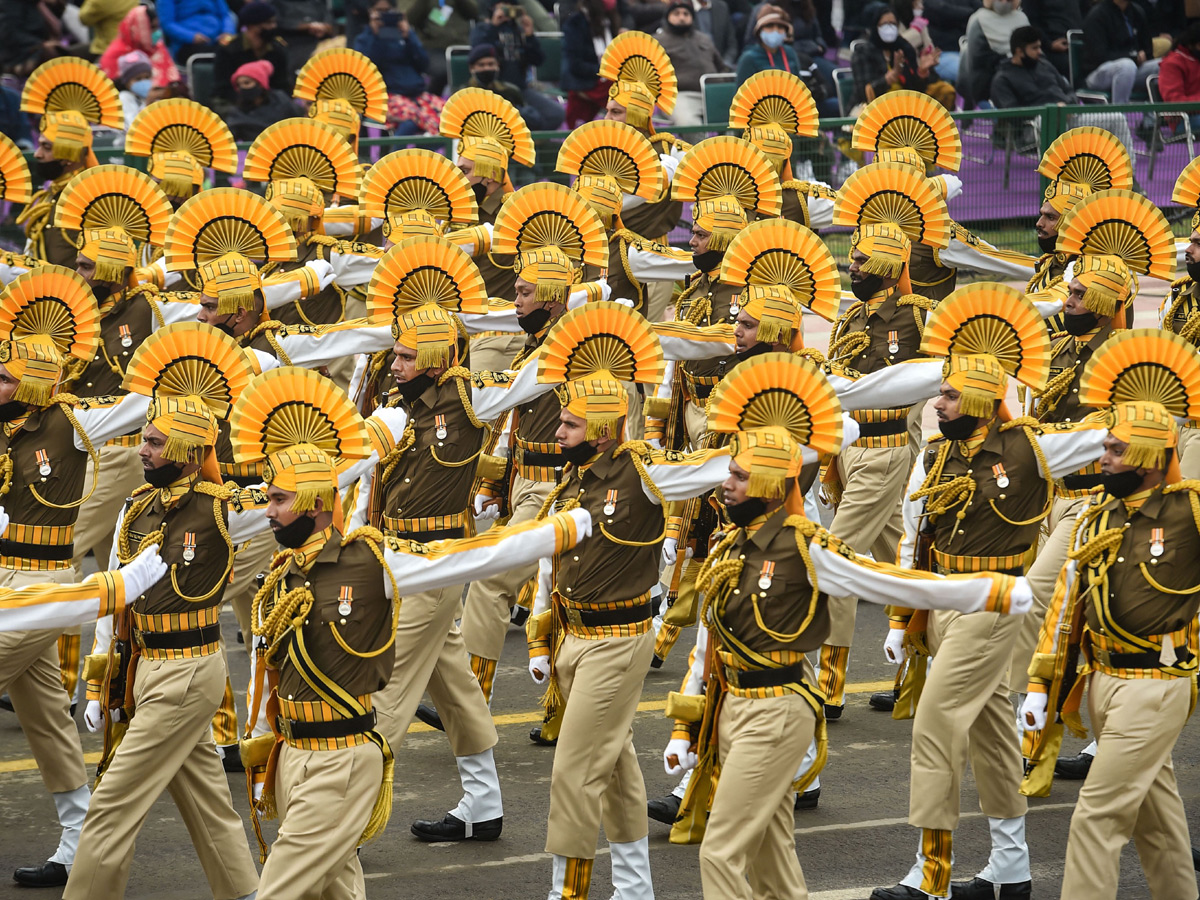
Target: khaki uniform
pixel 929 277
pixel 1180 306
pixel 178 686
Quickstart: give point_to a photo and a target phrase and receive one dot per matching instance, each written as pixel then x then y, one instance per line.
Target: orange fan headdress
pixel 222 221
pixel 782 252
pixel 179 125
pixel 886 193
pixel 774 97
pixel 424 271
pixel 303 148
pixel 635 56
pixel 1089 156
pixel 728 167
pixel 545 215
pixel 416 180
pixel 615 151
pixel 16 184
pixel 1121 224
pixel 76 85
pixel 909 119
pixel 478 117
pixel 1187 190
pixel 344 74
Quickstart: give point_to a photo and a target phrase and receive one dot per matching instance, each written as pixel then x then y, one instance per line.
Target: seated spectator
pixel 947 25
pixel 914 28
pixel 259 39
pixel 586 34
pixel 884 62
pixel 390 42
pixel 13 123
pixel 133 84
pixel 194 26
pixel 1053 19
pixel 509 28
pixel 33 34
pixel 1179 73
pixel 485 73
pixel 772 45
pixel 103 17
pixel 806 39
pixel 1027 78
pixel 442 24
pixel 989 35
pixel 136 32
pixel 255 104
pixel 714 18
pixel 302 27
pixel 693 54
pixel 1118 49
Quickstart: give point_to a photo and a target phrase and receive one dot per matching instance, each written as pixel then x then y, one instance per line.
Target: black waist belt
pixel 701 391
pixel 21 550
pixel 338 728
pixel 882 429
pixel 595 618
pixel 1082 482
pixel 762 678
pixel 425 537
pixel 949 570
pixel 544 460
pixel 179 640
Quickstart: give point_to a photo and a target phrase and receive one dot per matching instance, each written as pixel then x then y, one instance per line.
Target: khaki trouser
pixel 250 561
pixel 1130 791
pixel 122 471
pixel 485 617
pixel 430 653
pixel 749 833
pixel 695 420
pixel 596 776
pixel 867 518
pixel 325 798
pixel 495 353
pixel 658 298
pixel 1189 452
pixel 167 746
pixel 1051 557
pixel 29 672
pixel 964 711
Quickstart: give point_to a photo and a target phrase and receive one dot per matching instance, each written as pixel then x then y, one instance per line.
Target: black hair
pixel 1022 37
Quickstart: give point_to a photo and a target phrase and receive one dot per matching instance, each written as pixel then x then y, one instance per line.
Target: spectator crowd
pixel 546 61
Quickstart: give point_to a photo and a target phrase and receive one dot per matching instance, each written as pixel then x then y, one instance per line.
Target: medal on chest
pixel 893 342
pixel 43 461
pixel 610 502
pixel 440 427
pixel 345 600
pixel 1156 542
pixel 766 575
pixel 735 306
pixel 126 336
pixel 1001 475
pixel 189 547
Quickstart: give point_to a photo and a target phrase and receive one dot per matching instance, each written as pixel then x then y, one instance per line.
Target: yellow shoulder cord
pixel 1056 389
pixel 845 345
pixel 371 537
pixel 65 402
pixel 125 553
pixel 719 573
pixel 1191 486
pixel 941 498
pixel 269 328
pixel 640 465
pixel 461 376
pixel 389 462
pixel 218 494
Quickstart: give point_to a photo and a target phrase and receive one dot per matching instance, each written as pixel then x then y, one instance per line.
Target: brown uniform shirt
pixel 324 308
pixel 500 282
pixel 890 324
pixel 1069 353
pixel 929 277
pixel 703 287
pixel 62 246
pixel 653 220
pixel 123 327
pixel 1181 305
pixel 599 570
pixel 45 431
pixel 1049 269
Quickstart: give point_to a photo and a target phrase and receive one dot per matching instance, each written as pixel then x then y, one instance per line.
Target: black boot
pixel 833 713
pixel 48 874
pixel 453 828
pixel 429 716
pixel 231 759
pixel 884 701
pixel 6 703
pixel 899 892
pixel 535 735
pixel 518 616
pixel 1074 768
pixel 808 800
pixel 979 889
pixel 665 810
pixel 1196 859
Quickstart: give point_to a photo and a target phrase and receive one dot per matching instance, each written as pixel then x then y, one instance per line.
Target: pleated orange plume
pixel 636 56
pixel 115 197
pixel 774 97
pixel 16 184
pixel 1144 365
pixel 909 119
pixel 1122 224
pixel 190 359
pixel 54 302
pixel 728 166
pixel 550 215
pixel 1088 155
pixel 1187 186
pixel 417 180
pixel 780 251
pixel 477 113
pixel 69 83
pixel 886 192
pixel 613 150
pixel 304 148
pixel 179 125
pixel 421 271
pixel 601 337
pixel 227 220
pixel 344 74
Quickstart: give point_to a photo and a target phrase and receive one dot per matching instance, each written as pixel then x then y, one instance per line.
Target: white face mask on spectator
pixel 1003 7
pixel 889 33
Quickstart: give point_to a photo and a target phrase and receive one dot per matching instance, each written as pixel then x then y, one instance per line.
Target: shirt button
pixel 440 444
pixel 1001 496
pixel 1120 559
pixel 737 590
pixel 576 558
pixel 568 590
pixel 407 480
pixel 289 696
pixel 960 531
pixel 89 384
pixel 343 621
pixel 743 556
pixel 308 584
pixel 1154 562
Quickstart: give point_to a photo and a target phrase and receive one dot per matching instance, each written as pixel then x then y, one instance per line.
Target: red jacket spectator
pixel 1179 75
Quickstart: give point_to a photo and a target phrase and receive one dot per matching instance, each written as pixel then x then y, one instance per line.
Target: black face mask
pixel 1122 484
pixel 742 514
pixel 1081 324
pixel 1047 244
pixel 680 30
pixel 294 535
pixel 579 454
pixel 1193 270
pixel 102 292
pixel 249 96
pixel 1029 62
pixel 534 321
pixel 411 390
pixel 226 327
pixel 959 429
pixel 708 260
pixel 268 34
pixel 867 286
pixel 480 192
pixel 164 476
pixel 757 350
pixel 48 171
pixel 12 410
pixel 485 76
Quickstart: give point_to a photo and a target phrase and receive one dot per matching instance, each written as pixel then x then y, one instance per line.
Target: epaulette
pixel 916 300
pixel 1021 422
pixel 493 379
pixel 1187 484
pixel 141 489
pixel 365 533
pixel 220 491
pixel 934 438
pixel 1181 282
pixel 248 498
pixel 104 401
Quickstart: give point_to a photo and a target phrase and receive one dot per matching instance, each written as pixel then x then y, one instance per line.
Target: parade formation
pixel 387 411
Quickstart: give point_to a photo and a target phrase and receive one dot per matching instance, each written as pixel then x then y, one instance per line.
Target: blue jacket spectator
pixel 193 26
pixel 401 60
pixel 509 29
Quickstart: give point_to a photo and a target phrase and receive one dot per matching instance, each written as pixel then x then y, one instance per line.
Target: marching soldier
pixel 1178 313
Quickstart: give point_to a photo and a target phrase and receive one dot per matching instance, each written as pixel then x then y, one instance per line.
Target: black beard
pixel 294 535
pixel 411 390
pixel 759 348
pixel 579 454
pixel 48 171
pixel 959 429
pixel 479 191
pixel 534 321
pixel 12 410
pixel 1193 270
pixel 708 260
pixel 742 514
pixel 1047 244
pixel 102 292
pixel 1080 324
pixel 1122 484
pixel 164 476
pixel 867 286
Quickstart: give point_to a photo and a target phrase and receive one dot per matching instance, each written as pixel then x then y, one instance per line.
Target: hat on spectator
pixel 133 65
pixel 681 4
pixel 255 13
pixel 481 51
pixel 260 70
pixel 772 15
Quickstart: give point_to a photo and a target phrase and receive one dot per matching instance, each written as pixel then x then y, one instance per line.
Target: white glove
pixel 539 669
pixel 893 647
pixel 4 520
pixel 258 789
pixel 486 507
pixel 393 418
pixel 670 552
pixel 143 572
pixel 1022 598
pixel 93 717
pixel 678 757
pixel 1033 711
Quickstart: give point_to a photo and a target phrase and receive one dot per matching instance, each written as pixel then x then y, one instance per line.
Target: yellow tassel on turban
pixel 71 136
pixel 722 218
pixel 771 456
pixel 403 225
pixel 178 173
pixel 232 280
pixel 602 195
pixel 488 155
pixel 113 252
pixel 776 310
pixel 1063 195
pixel 600 400
pixel 37 365
pixel 774 142
pixel 887 248
pixel 1148 429
pixel 298 200
pixel 550 271
pixel 1107 282
pixel 191 432
pixel 980 381
pixel 638 103
pixel 307 470
pixel 431 332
